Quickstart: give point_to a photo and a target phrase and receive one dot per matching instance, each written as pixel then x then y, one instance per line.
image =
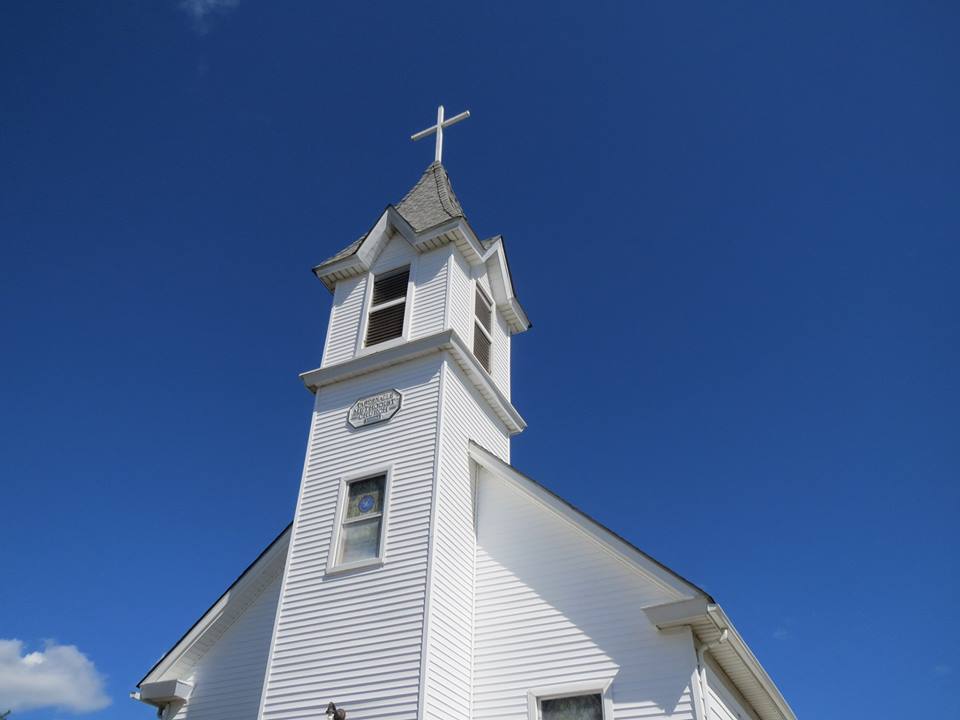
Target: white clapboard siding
pixel 553 607
pixel 450 644
pixel 500 359
pixel 430 295
pixel 396 253
pixel 342 333
pixel 356 638
pixel 228 678
pixel 725 702
pixel 461 298
pixel 462 315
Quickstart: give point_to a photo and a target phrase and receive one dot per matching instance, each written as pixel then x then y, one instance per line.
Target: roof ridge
pixel 431 201
pixel 445 191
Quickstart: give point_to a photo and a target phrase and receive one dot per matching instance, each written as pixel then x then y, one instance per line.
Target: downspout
pixel 160 708
pixel 702 666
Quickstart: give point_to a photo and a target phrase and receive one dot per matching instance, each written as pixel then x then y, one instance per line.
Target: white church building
pixel 423 576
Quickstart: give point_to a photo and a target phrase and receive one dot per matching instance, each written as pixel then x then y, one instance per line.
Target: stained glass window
pixel 360 536
pixel 578 707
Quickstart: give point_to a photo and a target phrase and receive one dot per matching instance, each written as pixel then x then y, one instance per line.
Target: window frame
pixel 478 289
pixel 343 497
pixel 587 687
pixel 368 308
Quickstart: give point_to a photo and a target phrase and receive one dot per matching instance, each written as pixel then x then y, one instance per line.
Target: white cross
pixel 438 129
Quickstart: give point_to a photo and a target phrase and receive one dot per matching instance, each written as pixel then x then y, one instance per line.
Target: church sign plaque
pixel 374 409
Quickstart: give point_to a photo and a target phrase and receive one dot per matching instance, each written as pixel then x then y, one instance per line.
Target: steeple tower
pixel 379 577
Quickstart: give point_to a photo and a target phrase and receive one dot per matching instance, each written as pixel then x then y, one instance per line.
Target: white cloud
pixel 781 633
pixel 200 10
pixel 59 676
pixel 942 670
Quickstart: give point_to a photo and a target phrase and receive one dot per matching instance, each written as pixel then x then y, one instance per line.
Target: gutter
pixel 696 612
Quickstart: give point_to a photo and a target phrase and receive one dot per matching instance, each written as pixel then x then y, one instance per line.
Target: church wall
pixel 344 324
pixel 228 678
pixel 462 314
pixel 461 298
pixel 553 607
pixel 397 252
pixel 428 305
pixel 501 356
pixel 447 693
pixel 356 637
pixel 430 296
pixel 725 702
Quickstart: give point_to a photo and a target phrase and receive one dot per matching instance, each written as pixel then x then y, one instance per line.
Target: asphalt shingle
pixel 430 202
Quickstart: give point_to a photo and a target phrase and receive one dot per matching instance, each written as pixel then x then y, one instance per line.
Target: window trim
pixel 333 567
pixel 572 689
pixel 478 289
pixel 362 347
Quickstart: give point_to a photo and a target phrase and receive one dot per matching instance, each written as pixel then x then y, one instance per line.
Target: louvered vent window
pixel 483 323
pixel 388 306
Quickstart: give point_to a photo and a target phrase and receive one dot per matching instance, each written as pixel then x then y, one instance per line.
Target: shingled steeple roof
pixel 429 203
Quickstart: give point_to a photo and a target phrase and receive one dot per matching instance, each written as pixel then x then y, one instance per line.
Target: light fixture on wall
pixel 333 713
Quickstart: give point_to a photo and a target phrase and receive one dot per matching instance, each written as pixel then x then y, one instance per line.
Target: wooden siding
pixel 356 637
pixel 430 295
pixel 461 298
pixel 443 297
pixel 348 297
pixel 501 355
pixel 725 702
pixel 461 319
pixel 449 653
pixel 228 678
pixel 397 252
pixel 553 607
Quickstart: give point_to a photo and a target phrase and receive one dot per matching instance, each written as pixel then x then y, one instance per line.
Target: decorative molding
pixel 449 341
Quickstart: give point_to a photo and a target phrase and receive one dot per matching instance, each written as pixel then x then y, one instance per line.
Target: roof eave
pixel 209 616
pixel 700 610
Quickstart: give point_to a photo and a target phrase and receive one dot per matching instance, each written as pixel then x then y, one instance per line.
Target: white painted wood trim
pixel 448 297
pixel 360 346
pixel 447 340
pixel 589 687
pixel 431 550
pixel 478 290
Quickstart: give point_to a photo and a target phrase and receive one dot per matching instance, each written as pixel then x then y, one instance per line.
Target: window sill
pixel 370 349
pixel 354 566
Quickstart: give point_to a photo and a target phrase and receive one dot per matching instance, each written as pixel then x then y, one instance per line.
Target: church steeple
pixel 416 366
pixel 422 270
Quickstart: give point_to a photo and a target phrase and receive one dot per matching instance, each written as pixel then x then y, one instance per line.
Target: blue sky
pixel 756 381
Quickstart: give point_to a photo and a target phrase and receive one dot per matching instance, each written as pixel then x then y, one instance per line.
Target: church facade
pixel 424 577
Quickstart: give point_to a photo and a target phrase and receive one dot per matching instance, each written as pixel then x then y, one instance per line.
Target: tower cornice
pixel 447 341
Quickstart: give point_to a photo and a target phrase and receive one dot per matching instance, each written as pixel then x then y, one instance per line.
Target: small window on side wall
pixel 482 327
pixel 388 306
pixel 588 700
pixel 573 707
pixel 360 536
